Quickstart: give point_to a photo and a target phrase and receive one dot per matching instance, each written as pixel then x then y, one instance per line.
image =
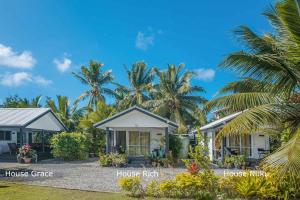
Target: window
pixel 5 135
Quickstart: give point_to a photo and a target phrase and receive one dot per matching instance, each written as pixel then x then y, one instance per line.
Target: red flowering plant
pixel 26 152
pixel 193 168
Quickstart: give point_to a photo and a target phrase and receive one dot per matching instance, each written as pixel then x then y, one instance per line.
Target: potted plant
pixel 26 154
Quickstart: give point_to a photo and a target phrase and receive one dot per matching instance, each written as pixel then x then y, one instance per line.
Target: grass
pixel 17 191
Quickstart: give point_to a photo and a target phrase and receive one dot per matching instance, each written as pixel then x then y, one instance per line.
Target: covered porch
pixel 137 132
pixel 33 126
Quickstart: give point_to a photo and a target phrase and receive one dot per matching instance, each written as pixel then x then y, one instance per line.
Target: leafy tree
pixel 97 80
pixel 268 94
pixel 69 116
pixel 174 97
pixel 18 102
pixel 96 137
pixel 141 80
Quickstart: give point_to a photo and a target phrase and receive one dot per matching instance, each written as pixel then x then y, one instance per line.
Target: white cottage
pixel 19 126
pixel 138 131
pixel 254 146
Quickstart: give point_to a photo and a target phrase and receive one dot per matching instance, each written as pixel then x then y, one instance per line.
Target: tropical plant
pixel 95 137
pixel 175 145
pixel 199 154
pixel 140 80
pixel 97 80
pixel 69 146
pixel 113 159
pixel 132 185
pixel 26 152
pixel 174 97
pixel 18 102
pixel 69 116
pixel 268 94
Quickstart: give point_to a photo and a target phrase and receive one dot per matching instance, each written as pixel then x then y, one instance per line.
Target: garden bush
pixel 113 159
pixel 186 185
pixel 152 189
pixel 175 145
pixel 257 186
pixel 69 146
pixel 132 186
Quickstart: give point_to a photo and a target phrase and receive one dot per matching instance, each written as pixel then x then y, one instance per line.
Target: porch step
pixel 138 162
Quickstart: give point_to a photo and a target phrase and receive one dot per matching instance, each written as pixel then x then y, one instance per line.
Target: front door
pixel 139 143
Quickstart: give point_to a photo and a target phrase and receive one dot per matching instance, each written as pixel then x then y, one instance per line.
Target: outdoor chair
pixel 13 148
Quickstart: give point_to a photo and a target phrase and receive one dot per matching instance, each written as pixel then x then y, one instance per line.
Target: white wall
pixel 259 141
pixel 46 122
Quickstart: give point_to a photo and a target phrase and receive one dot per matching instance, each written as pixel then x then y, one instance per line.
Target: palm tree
pixel 140 80
pixel 174 97
pixel 96 136
pixel 97 81
pixel 69 116
pixel 268 94
pixel 18 102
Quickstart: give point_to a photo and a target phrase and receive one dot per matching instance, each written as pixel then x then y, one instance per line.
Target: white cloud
pixel 143 41
pixel 12 59
pixel 62 65
pixel 205 74
pixel 21 78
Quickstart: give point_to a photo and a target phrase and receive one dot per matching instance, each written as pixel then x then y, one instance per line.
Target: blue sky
pixel 42 42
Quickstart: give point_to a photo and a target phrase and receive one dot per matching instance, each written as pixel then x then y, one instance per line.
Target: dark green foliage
pixel 69 146
pixel 175 145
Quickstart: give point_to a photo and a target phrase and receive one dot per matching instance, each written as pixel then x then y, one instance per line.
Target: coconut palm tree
pixel 69 116
pixel 140 80
pixel 268 94
pixel 97 80
pixel 174 97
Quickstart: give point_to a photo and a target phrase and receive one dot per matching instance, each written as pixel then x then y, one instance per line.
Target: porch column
pixel 167 140
pixel 223 143
pixel 107 140
pixel 43 141
pixel 21 136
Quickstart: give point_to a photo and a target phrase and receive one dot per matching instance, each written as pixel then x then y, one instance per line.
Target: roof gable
pixel 135 117
pixel 220 122
pixel 25 117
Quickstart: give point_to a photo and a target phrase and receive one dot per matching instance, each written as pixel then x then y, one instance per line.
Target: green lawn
pixel 17 191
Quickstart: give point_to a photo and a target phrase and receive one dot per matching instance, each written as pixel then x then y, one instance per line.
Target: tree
pixel 18 102
pixel 268 94
pixel 69 116
pixel 174 97
pixel 96 136
pixel 141 80
pixel 97 80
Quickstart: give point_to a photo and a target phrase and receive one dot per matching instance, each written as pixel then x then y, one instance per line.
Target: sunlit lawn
pixel 17 191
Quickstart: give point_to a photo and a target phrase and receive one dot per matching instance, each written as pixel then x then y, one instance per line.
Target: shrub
pixel 199 154
pixel 186 185
pixel 229 162
pixel 152 189
pixel 250 185
pixel 132 186
pixel 113 159
pixel 175 145
pixel 69 146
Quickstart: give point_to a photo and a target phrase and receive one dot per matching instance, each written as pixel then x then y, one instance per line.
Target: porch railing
pixel 248 152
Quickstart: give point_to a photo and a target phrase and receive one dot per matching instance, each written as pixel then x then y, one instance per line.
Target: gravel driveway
pixel 87 175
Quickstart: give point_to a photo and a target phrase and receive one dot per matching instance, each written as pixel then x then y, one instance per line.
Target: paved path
pixel 86 175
